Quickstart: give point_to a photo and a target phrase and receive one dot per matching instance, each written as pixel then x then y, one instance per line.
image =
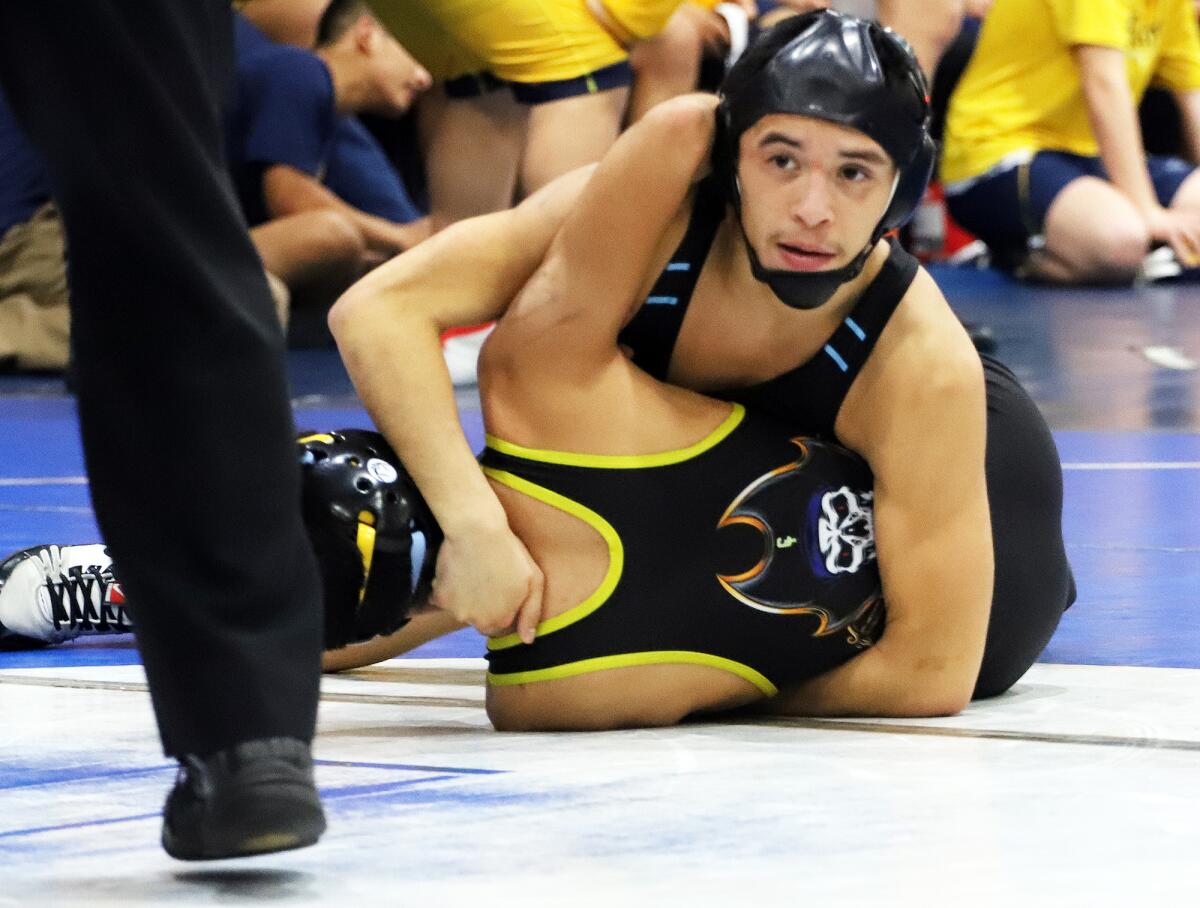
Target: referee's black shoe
pixel 253 798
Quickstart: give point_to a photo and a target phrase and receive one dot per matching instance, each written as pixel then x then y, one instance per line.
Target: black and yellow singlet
pixel 750 551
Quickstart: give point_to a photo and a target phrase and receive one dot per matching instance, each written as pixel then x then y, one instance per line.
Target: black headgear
pixel 846 71
pixel 362 512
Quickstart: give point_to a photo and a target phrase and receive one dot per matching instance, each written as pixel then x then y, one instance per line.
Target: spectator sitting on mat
pixel 1043 158
pixel 33 275
pixel 295 149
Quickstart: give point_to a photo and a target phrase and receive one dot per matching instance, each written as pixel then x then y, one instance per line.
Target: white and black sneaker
pixel 53 593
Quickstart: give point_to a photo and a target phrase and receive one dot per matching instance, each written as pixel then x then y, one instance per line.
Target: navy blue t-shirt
pixel 360 174
pixel 283 114
pixel 24 183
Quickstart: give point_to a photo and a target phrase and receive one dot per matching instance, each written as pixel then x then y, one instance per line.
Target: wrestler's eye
pixel 781 161
pixel 855 174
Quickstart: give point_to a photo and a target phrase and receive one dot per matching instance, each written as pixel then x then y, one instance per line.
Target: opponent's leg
pixel 1033 584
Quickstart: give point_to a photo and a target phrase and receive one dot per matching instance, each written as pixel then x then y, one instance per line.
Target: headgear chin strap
pixel 845 71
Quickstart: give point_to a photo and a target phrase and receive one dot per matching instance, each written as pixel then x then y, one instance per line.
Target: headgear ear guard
pixel 846 71
pixel 363 514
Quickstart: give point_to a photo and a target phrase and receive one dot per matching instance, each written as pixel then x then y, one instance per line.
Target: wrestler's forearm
pixel 396 364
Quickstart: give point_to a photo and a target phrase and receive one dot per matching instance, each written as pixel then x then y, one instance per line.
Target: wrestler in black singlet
pixel 1033 582
pixel 750 551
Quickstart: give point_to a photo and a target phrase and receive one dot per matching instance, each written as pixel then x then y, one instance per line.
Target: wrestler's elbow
pixel 939 686
pixel 348 312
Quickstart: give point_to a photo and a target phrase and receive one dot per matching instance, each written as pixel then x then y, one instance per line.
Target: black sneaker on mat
pixel 253 798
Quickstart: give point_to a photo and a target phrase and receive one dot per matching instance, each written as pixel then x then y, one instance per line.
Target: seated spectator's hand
pixel 1180 230
pixel 489 580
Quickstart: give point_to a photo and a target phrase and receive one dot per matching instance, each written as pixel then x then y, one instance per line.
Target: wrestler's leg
pixel 1033 583
pixel 420 630
pixel 643 696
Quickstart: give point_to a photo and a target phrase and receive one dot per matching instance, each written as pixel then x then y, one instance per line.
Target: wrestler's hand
pixel 486 578
pixel 1180 230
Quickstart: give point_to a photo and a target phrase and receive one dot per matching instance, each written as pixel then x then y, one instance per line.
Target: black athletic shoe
pixel 253 798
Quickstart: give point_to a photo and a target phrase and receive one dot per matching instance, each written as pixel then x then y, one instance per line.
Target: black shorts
pixel 1033 585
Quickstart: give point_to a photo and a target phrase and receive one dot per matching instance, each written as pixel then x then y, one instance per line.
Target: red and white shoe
pixel 52 593
pixel 461 351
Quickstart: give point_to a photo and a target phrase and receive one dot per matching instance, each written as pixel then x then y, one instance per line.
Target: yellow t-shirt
pixel 1021 91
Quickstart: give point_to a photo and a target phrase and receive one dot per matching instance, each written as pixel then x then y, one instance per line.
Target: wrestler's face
pixel 812 191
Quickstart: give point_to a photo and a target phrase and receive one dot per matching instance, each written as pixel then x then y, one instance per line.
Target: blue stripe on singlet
pixel 836 357
pixel 679 266
pixel 858 332
pixel 661 300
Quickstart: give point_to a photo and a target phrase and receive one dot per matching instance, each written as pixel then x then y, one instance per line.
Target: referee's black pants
pixel 183 402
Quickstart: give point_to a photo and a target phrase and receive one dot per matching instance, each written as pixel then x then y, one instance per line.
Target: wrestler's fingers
pixel 530 613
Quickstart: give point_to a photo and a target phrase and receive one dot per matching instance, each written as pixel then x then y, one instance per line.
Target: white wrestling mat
pixel 1080 787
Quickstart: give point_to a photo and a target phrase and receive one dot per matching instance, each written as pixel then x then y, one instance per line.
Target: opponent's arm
pixel 933 540
pixel 566 322
pixel 387 327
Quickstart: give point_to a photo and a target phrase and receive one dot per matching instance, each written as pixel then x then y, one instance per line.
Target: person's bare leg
pixel 1093 235
pixel 570 133
pixel 928 25
pixel 472 147
pixel 665 66
pixel 1188 194
pixel 421 629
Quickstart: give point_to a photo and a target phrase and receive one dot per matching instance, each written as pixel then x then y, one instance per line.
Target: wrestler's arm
pixel 387 327
pixel 565 323
pixel 932 531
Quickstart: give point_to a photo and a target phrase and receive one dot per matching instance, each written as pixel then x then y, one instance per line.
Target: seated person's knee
pixel 1119 250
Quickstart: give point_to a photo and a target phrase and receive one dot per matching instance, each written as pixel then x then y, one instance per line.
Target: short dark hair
pixel 339 15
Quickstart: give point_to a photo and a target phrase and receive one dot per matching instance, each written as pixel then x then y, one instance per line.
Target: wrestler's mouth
pixel 805 257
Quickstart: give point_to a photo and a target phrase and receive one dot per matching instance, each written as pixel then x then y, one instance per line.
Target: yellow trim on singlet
pixel 625 660
pixel 623 461
pixel 616 555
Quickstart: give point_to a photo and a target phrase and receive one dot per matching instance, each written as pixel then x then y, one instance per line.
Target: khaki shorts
pixel 34 317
